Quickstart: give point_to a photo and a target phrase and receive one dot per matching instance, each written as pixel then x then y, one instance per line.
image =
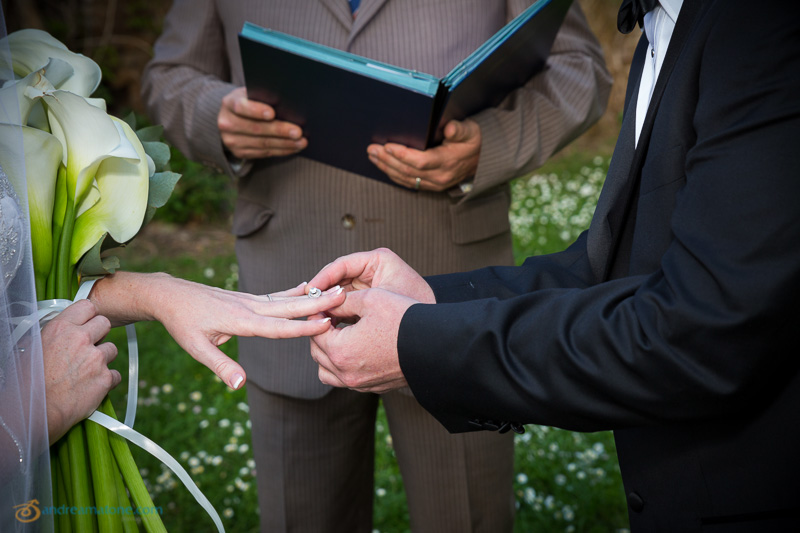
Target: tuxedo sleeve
pixel 704 334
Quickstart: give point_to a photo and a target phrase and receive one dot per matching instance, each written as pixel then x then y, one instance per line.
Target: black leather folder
pixel 345 102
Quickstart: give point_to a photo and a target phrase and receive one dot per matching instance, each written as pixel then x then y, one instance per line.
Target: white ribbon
pixel 47 310
pixel 159 453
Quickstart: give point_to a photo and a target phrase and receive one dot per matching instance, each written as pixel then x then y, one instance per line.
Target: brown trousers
pixel 322 480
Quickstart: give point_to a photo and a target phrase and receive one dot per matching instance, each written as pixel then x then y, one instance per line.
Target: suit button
pixel 635 502
pixel 348 221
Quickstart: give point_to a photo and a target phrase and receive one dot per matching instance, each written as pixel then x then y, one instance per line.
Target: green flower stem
pixel 63 267
pixel 59 210
pixel 133 479
pixel 62 521
pixel 79 473
pixel 129 524
pixel 63 463
pixel 105 486
pixel 41 287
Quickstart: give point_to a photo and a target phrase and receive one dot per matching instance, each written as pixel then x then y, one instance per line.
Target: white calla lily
pixel 15 106
pixel 38 170
pixel 31 50
pixel 88 135
pixel 123 186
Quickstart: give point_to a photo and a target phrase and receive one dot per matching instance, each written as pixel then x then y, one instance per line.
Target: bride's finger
pixel 300 306
pixel 291 294
pixel 295 291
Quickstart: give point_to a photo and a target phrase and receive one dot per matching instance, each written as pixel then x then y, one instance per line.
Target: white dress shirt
pixel 658 26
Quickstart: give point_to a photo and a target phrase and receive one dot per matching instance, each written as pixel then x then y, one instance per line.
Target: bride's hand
pixel 76 372
pixel 201 318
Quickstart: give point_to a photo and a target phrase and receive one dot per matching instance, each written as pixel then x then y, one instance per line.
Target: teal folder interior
pixel 472 61
pixel 410 79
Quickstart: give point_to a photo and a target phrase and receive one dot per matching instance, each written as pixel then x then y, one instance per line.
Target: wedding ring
pixel 416 183
pixel 314 293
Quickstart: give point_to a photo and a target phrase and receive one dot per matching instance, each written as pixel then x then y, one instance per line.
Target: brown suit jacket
pixel 294 215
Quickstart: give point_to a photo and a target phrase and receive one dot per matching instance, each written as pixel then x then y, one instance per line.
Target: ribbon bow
pixel 633 11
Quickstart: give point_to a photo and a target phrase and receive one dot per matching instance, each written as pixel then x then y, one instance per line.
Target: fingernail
pixel 339 290
pixel 237 381
pixel 294 134
pixel 389 151
pixel 332 289
pixel 373 152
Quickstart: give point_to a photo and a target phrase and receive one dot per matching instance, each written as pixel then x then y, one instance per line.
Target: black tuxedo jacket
pixel 671 319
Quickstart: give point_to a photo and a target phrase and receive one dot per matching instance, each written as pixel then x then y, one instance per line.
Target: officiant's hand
pixel 249 130
pixel 435 169
pixel 201 318
pixel 76 373
pixel 380 268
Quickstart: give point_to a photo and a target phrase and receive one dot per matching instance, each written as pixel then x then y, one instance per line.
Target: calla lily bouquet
pixel 92 182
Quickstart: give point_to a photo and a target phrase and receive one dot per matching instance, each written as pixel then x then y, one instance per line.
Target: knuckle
pixel 351 382
pixel 104 322
pixel 220 366
pixel 113 351
pixel 83 338
pixel 223 123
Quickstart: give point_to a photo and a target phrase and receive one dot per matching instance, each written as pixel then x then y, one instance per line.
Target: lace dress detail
pixel 11 230
pixel 11 254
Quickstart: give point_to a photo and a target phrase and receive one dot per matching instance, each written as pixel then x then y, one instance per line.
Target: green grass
pixel 565 481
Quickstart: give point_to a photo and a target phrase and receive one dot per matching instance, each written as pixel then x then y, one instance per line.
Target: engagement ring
pixel 314 293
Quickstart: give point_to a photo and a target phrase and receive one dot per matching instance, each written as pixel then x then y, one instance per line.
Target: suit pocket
pixel 480 218
pixel 249 217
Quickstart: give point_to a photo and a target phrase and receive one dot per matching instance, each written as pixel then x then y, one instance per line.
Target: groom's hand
pixel 363 356
pixel 381 269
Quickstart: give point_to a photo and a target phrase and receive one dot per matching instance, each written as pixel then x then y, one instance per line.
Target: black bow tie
pixel 631 12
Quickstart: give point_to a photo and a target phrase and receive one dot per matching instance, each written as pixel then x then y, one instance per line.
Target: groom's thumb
pixel 353 306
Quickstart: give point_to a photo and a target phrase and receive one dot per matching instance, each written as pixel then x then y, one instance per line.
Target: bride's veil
pixel 25 486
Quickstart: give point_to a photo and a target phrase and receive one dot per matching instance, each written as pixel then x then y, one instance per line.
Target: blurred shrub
pixel 201 196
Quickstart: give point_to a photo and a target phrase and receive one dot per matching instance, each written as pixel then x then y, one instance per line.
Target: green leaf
pixel 150 133
pixel 130 120
pixel 94 265
pixel 161 187
pixel 158 152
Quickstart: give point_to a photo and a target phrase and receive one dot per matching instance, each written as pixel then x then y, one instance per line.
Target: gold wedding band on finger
pixel 416 183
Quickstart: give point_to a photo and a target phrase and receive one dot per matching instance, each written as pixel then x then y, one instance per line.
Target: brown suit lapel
pixel 367 11
pixel 340 10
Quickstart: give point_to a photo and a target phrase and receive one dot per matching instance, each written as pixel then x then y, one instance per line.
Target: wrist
pixel 127 297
